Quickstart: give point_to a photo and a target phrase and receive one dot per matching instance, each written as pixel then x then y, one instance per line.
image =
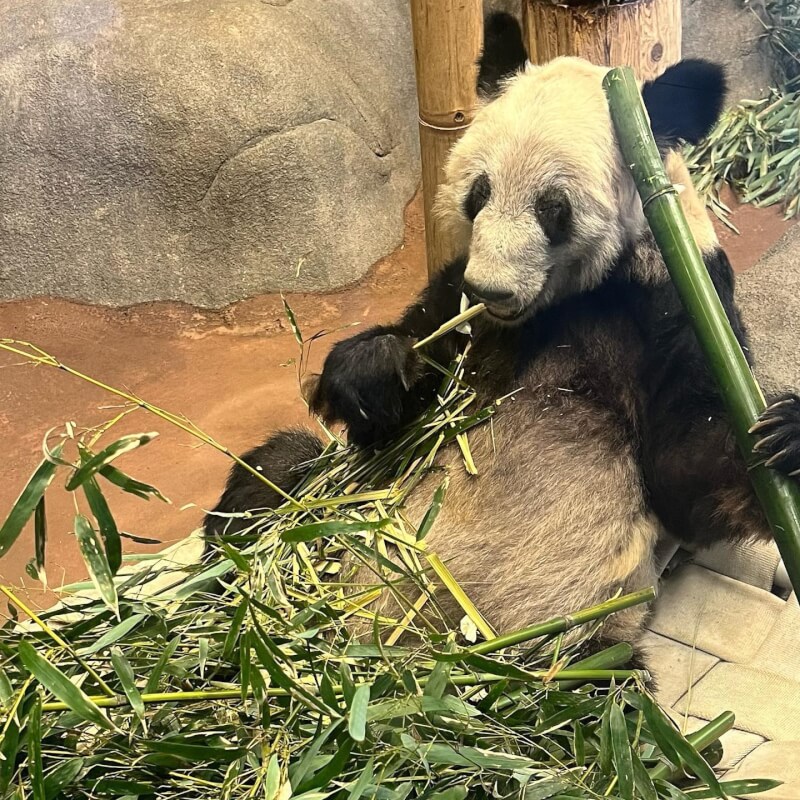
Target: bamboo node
pixel 671 189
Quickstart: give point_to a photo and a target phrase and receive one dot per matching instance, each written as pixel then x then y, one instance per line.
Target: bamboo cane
pixel 447 41
pixel 779 496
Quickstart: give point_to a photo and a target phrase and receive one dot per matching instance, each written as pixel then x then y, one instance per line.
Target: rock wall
pixel 201 150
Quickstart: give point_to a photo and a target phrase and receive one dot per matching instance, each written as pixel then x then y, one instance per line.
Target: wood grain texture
pixel 448 35
pixel 644 35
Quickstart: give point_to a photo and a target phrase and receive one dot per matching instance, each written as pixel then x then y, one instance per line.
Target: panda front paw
pixel 367 384
pixel 778 429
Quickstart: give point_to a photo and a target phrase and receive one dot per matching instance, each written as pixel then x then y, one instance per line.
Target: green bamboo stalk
pixel 561 624
pixel 201 696
pixel 779 496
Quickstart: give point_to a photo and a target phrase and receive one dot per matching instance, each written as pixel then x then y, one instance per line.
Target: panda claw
pixel 765 422
pixel 770 462
pixel 787 401
pixel 763 444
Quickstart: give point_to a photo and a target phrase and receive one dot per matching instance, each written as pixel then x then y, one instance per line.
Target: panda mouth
pixel 505 316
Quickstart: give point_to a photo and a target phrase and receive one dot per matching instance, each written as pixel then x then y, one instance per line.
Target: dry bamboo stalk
pixel 644 34
pixel 447 41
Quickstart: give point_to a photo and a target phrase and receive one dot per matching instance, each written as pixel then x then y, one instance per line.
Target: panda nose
pixel 483 294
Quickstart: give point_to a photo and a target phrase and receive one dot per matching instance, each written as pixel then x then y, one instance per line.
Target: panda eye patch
pixel 478 197
pixel 554 212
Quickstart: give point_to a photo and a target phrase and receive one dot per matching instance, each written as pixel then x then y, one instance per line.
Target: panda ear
pixel 685 102
pixel 503 53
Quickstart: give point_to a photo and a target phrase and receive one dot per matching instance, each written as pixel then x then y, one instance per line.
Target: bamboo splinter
pixel 779 496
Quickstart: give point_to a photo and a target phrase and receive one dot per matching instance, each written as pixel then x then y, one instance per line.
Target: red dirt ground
pixel 229 371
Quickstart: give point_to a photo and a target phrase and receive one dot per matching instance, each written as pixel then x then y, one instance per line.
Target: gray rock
pixel 769 296
pixel 201 150
pixel 728 33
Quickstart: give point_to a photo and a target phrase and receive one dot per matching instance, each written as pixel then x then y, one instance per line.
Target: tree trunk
pixel 447 40
pixel 644 34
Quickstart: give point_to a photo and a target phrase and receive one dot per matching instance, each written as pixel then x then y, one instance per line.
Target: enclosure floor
pixel 230 371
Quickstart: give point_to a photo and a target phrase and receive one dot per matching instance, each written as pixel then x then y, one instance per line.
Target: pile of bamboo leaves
pixel 244 678
pixel 755 147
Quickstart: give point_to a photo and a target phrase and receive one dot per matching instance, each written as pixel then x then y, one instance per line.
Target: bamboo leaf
pixel 606 754
pixel 55 681
pixel 272 781
pixel 35 764
pixel 126 678
pixel 363 780
pixel 27 502
pixel 735 788
pixel 316 530
pixel 6 690
pixel 299 772
pixel 357 720
pixel 96 562
pixel 546 789
pixel 124 445
pixel 154 678
pixel 106 523
pixel 453 793
pixel 9 749
pixel 40 539
pixel 178 747
pixel 331 771
pixel 645 790
pixel 433 512
pixel 113 635
pixel 621 752
pixel 675 746
pixel 292 321
pixel 445 754
pixel 229 646
pixel 129 485
pixel 62 777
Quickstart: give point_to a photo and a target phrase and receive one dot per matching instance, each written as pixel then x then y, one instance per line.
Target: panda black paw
pixel 367 383
pixel 778 429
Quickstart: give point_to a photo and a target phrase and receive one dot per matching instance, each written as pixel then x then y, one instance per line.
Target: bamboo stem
pixel 464 316
pixel 561 624
pixel 779 496
pixel 572 675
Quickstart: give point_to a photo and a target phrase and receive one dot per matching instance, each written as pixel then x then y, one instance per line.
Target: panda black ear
pixel 685 102
pixel 503 53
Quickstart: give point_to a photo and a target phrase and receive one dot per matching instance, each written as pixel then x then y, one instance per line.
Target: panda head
pixel 537 188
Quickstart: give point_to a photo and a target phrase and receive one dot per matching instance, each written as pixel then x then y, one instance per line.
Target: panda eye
pixel 478 197
pixel 554 212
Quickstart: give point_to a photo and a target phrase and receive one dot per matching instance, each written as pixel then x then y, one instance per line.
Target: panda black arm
pixel 697 478
pixel 375 382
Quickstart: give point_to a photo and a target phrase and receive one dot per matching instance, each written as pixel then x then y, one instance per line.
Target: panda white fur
pixel 617 429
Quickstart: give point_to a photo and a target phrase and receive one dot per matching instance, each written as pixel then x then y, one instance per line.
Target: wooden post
pixel 643 34
pixel 447 40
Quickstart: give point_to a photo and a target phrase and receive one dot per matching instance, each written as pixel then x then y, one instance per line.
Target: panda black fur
pixel 618 428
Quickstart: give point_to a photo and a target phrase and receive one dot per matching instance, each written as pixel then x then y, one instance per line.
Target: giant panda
pixel 617 430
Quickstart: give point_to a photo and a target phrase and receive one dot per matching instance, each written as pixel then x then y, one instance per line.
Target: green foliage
pixel 245 678
pixel 754 147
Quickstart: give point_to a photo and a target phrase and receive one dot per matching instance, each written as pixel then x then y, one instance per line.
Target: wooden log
pixel 448 35
pixel 643 34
